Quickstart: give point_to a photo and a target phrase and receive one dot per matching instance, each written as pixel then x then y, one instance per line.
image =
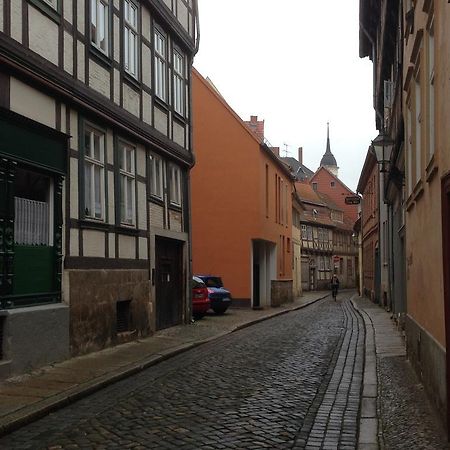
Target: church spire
pixel 328 160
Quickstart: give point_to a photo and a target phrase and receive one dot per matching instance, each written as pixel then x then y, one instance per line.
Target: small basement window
pixel 123 314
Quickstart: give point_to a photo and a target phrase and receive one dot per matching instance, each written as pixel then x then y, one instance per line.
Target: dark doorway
pixel 169 282
pixel 377 286
pixel 256 280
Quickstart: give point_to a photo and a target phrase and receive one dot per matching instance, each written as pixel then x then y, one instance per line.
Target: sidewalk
pixel 395 412
pixel 26 398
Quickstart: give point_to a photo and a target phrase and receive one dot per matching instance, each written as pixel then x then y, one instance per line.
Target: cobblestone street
pixel 289 382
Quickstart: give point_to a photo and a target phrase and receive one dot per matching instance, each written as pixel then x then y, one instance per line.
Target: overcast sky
pixel 295 64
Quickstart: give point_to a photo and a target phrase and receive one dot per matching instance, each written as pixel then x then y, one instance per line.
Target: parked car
pixel 219 296
pixel 200 298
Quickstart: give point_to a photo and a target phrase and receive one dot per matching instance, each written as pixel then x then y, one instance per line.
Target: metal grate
pixel 123 314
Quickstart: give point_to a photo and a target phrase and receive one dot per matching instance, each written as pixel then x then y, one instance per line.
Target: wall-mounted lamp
pixel 382 148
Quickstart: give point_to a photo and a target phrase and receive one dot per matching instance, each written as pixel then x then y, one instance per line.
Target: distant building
pixel 299 170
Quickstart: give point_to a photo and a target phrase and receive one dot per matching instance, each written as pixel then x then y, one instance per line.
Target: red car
pixel 200 298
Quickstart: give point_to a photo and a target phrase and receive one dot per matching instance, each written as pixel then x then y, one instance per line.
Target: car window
pixel 215 282
pixel 197 283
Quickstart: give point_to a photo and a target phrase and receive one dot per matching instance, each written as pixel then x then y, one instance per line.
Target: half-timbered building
pixel 95 152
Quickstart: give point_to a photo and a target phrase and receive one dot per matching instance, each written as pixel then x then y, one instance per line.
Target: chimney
pixel 276 150
pixel 300 155
pixel 257 126
pixel 253 119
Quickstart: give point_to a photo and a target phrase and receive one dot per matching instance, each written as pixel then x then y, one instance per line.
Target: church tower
pixel 328 160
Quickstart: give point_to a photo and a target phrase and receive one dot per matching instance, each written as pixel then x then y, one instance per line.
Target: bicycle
pixel 334 292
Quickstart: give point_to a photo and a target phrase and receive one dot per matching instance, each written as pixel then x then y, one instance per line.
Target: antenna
pixel 286 151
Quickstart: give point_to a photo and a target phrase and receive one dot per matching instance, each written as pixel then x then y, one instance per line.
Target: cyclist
pixel 334 286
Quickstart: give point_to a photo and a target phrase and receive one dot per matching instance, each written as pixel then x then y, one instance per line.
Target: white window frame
pixel 160 65
pixel 178 82
pixel 95 163
pixel 52 3
pixel 131 38
pixel 127 182
pixel 418 125
pixel 95 15
pixel 175 185
pixel 409 147
pixel 156 176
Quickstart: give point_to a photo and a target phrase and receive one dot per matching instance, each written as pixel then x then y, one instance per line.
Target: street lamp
pixel 382 148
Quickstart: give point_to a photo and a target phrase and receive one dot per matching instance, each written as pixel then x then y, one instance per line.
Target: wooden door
pixel 169 283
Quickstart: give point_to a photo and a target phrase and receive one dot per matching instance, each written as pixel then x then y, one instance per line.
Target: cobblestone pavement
pixel 289 382
pixel 408 422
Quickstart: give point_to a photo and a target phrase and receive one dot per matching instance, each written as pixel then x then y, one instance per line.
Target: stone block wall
pixel 93 298
pixel 281 292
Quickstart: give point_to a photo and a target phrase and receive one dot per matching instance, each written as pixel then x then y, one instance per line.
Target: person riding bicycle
pixel 334 286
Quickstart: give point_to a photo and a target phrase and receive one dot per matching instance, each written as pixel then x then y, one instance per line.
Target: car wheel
pixel 220 310
pixel 199 316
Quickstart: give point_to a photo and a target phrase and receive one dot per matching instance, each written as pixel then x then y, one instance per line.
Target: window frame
pixel 101 163
pixel 152 170
pixel 163 60
pixel 431 64
pixel 95 44
pixel 133 30
pixel 180 78
pixel 175 189
pixel 123 173
pixel 48 9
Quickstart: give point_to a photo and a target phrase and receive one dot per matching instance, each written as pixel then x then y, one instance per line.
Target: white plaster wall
pixel 147 108
pixel 160 121
pixel 142 210
pixel 68 10
pixel 131 100
pixel 178 134
pixel 116 87
pixel 68 53
pixel 111 217
pixel 141 159
pixel 80 17
pixel 143 248
pixel 116 39
pixel 31 103
pixel 156 215
pixel 146 64
pixel 74 188
pixel 80 60
pixel 1 16
pixel 63 118
pixel 109 146
pixel 112 245
pixel 127 247
pixel 74 243
pixel 168 3
pixel 175 220
pixel 43 35
pixel 16 20
pixel 146 23
pixel 183 17
pixel 74 129
pixel 93 243
pixel 99 78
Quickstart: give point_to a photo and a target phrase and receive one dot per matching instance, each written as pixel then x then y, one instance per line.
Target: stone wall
pixel 281 292
pixel 93 298
pixel 429 361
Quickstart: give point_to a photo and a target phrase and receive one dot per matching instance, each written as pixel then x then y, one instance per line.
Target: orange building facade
pixel 241 205
pixel 327 183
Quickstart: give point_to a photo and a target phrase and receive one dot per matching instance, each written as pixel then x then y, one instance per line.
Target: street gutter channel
pixel 41 409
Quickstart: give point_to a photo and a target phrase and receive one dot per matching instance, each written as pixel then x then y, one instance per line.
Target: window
pixel 127 176
pixel 304 231
pixel 130 38
pixel 309 233
pixel 160 66
pixel 100 25
pixel 178 82
pixel 418 125
pixel 175 185
pixel 314 185
pixel 156 176
pixel 409 155
pixel 332 184
pixel 94 179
